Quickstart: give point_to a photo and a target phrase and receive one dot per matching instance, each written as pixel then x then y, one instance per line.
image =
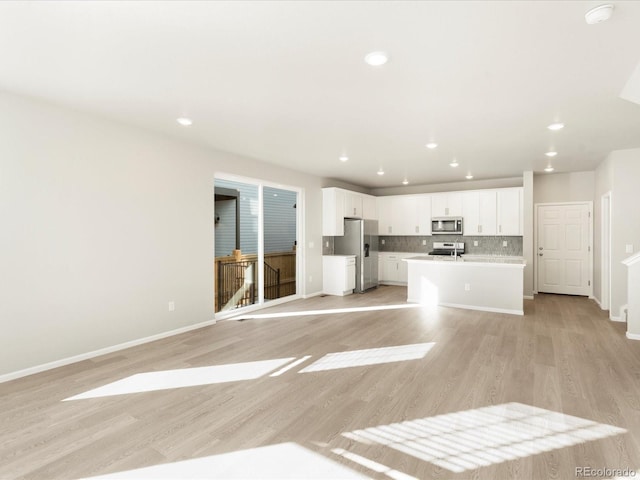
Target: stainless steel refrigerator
pixel 361 239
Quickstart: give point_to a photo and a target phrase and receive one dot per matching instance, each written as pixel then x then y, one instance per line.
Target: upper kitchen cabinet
pixel 423 221
pixel 338 204
pixel 404 215
pixel 510 211
pixel 369 207
pixel 447 204
pixel 386 206
pixel 352 204
pixel 479 212
pixel 333 207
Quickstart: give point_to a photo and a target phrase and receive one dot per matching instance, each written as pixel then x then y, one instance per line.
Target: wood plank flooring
pixel 563 356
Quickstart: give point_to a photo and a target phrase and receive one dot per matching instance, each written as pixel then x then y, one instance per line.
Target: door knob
pixel 539 248
pixel 540 254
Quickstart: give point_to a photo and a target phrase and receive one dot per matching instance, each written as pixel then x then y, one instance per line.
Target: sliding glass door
pixel 255 243
pixel 280 208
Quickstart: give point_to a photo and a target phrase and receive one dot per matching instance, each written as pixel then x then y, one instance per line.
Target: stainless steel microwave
pixel 446 225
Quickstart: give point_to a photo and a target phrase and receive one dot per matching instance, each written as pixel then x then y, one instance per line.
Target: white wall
pixel 527 234
pixel 102 224
pixel 619 174
pixel 564 187
pixel 603 185
pixel 625 220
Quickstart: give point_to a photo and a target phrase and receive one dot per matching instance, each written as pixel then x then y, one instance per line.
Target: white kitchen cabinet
pixel 352 205
pixel 392 270
pixel 447 204
pixel 369 207
pixel 333 200
pixel 386 208
pixel 404 215
pixel 479 212
pixel 424 215
pixel 509 211
pixel 338 274
pixel 338 204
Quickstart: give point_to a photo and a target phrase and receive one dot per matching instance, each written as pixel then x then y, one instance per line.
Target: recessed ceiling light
pixel 556 126
pixel 381 172
pixel 599 14
pixel 184 121
pixel 405 182
pixel 551 154
pixel 376 59
pixel 431 145
pixel 343 158
pixel 454 163
pixel 549 169
pixel 469 177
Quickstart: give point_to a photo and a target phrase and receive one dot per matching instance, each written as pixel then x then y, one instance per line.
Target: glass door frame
pixel 229 314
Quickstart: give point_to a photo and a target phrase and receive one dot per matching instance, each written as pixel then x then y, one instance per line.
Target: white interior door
pixel 563 249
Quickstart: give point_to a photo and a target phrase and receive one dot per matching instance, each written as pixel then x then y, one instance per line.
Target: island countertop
pixel 470 259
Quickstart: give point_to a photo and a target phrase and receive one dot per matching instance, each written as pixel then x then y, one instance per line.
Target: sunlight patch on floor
pixel 371 465
pixel 234 372
pixel 370 356
pixel 477 438
pixel 329 311
pixel 281 461
pixel 185 377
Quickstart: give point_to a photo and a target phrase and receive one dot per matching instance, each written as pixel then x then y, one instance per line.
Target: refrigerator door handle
pixel 366 249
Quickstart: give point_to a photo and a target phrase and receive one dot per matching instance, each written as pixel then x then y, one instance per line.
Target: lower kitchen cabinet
pixel 392 270
pixel 338 274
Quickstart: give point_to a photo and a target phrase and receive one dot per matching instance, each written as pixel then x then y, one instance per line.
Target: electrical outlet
pixel 172 306
pixel 326 244
pixel 467 287
pixel 628 248
pixel 424 242
pixel 475 243
pixel 504 243
pixel 382 241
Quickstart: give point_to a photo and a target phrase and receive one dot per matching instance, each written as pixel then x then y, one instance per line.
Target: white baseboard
pixel 622 317
pixel 311 295
pixel 528 297
pixel 103 351
pixel 633 336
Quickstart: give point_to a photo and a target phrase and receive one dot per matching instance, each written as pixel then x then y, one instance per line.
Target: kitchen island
pixel 489 283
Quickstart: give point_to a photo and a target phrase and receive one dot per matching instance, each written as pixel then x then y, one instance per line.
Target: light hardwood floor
pixel 563 356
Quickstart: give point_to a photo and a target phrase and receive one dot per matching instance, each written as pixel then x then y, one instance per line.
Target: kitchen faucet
pixel 455 248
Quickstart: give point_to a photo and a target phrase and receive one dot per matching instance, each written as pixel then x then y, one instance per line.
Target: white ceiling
pixel 285 82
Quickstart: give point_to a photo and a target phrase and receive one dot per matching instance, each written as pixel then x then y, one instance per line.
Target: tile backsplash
pixel 486 245
pixel 327 245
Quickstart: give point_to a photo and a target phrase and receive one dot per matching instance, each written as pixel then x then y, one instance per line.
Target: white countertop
pixel 470 259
